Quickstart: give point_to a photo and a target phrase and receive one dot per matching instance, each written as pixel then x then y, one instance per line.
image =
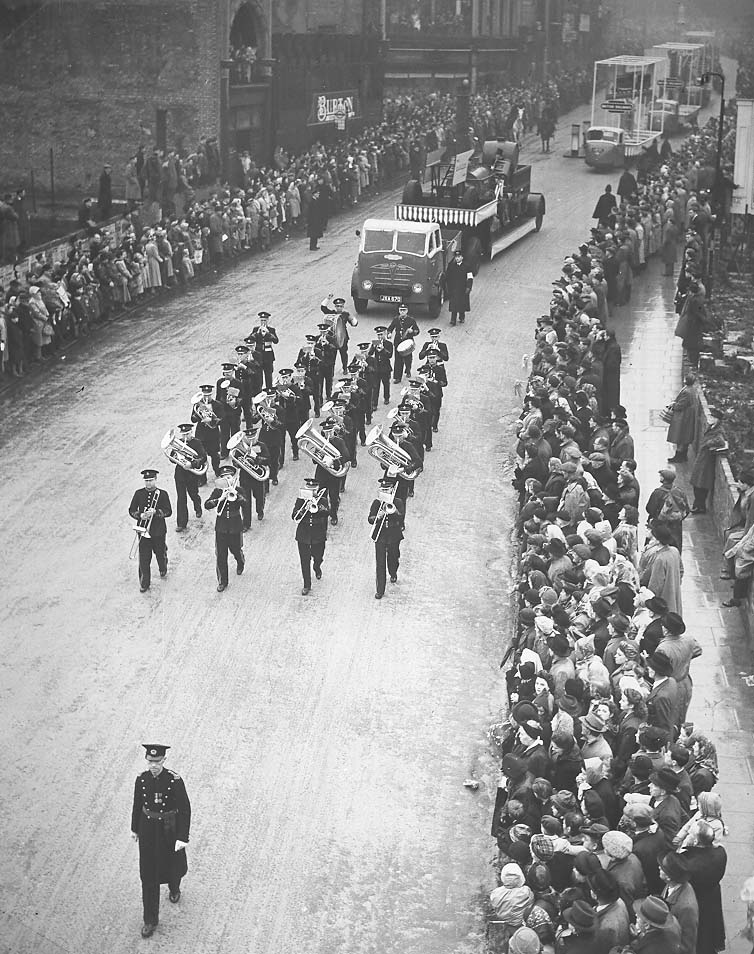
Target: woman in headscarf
pixel 710 811
pixel 703 771
pixel 512 900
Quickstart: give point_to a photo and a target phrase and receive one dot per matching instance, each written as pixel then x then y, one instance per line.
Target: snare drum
pixel 406 347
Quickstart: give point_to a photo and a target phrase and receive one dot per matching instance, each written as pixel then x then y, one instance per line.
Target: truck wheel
pixel 434 306
pixel 360 305
pixel 412 193
pixel 538 219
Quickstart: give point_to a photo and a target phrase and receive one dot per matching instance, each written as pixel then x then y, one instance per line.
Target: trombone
pixel 230 493
pixel 386 508
pixel 144 524
pixel 309 506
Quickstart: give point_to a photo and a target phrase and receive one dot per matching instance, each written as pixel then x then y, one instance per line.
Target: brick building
pixel 87 81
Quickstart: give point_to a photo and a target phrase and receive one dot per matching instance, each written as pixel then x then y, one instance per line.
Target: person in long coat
pixel 459 279
pixel 663 575
pixel 152 255
pixel 669 250
pixel 682 426
pixel 703 472
pixel 690 326
pixel 105 194
pixel 611 373
pixel 315 224
pixel 706 863
pixel 133 187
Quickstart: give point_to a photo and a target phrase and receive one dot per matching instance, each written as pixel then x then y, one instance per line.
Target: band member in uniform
pixel 459 278
pixel 272 436
pixel 310 513
pixel 188 481
pixel 436 380
pixel 324 478
pixel 227 498
pixel 251 487
pixel 207 414
pixel 229 395
pixel 402 328
pixel 434 345
pixel 149 507
pixel 288 410
pixel 387 515
pixel 360 400
pixel 304 388
pixel 264 336
pixel 399 433
pixel 371 377
pixel 160 823
pixel 421 409
pixel 333 308
pixel 312 365
pixel 251 373
pixel 326 351
pixel 381 352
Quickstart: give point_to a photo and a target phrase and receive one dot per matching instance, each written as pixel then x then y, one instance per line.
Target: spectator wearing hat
pixel 663 701
pixel 682 427
pixel 624 866
pixel 566 762
pixel 514 785
pixel 680 648
pixel 709 812
pixel 633 715
pixel 524 940
pixel 680 899
pixel 658 930
pixel 706 863
pixel 612 914
pixel 649 842
pixel 663 785
pixel 662 575
pixel 580 936
pixel 512 899
pixel 651 632
pixel 561 667
pixel 617 628
pixel 702 475
pixel 530 750
pixel 668 505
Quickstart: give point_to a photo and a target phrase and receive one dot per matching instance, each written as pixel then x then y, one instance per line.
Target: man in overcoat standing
pixel 459 278
pixel 160 822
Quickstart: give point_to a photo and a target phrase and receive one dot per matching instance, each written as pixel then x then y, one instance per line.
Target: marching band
pixel 240 424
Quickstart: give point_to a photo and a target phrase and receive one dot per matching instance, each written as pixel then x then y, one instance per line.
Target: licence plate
pixel 391 298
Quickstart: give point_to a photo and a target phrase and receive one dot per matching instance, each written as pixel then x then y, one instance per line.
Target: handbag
pixel 666 414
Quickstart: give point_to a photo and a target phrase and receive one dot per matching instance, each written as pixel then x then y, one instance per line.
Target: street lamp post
pixel 719 200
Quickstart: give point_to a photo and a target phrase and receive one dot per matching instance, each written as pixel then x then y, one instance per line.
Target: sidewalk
pixel 721 707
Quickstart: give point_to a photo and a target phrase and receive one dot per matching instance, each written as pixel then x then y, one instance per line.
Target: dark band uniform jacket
pixel 142 500
pixel 434 347
pixel 312 528
pixel 382 356
pixel 324 477
pixel 168 820
pixel 230 520
pixel 392 528
pixel 263 342
pixel 404 328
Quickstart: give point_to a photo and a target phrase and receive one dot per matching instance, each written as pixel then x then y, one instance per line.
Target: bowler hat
pixel 582 916
pixel 665 778
pixel 654 910
pixel 674 624
pixel 675 867
pixel 661 664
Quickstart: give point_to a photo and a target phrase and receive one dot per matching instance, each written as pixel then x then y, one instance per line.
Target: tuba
pixel 389 454
pixel 240 453
pixel 180 453
pixel 321 451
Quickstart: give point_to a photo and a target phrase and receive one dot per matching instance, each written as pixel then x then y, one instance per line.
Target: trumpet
pixel 309 506
pixel 182 454
pixel 240 451
pixel 228 495
pixel 144 524
pixel 390 454
pixel 320 450
pixel 387 507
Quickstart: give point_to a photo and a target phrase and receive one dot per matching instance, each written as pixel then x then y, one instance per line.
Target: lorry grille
pixel 391 278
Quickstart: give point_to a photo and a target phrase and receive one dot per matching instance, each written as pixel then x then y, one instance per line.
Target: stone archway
pixel 249 26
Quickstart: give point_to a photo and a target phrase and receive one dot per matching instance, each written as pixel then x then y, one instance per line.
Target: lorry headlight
pixel 366 285
pixel 417 288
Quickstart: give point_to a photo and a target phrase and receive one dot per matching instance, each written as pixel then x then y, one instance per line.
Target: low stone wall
pixel 723 495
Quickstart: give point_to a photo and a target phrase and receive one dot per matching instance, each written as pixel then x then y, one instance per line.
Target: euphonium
pixel 239 451
pixel 182 454
pixel 205 413
pixel 389 454
pixel 320 450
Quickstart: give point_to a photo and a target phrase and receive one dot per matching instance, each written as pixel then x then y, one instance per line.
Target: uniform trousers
pixel 150 896
pixel 436 415
pixel 310 553
pixel 333 485
pixel 326 378
pixel 383 378
pixel 256 489
pixel 225 542
pixel 292 429
pixel 360 424
pixel 386 555
pixel 402 363
pixel 344 356
pixel 267 366
pixel 148 546
pixel 186 485
pixel 317 380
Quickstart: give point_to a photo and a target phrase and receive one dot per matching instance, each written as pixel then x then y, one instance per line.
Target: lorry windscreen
pixel 412 242
pixel 378 240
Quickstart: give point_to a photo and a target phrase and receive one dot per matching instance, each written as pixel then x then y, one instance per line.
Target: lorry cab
pixel 400 262
pixel 605 147
pixel 666 116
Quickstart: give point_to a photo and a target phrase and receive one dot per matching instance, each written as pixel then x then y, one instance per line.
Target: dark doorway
pixel 243 31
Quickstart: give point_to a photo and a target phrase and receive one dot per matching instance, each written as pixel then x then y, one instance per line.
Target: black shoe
pixel 198 514
pixel 435 430
pixel 143 589
pixel 386 401
pixel 260 516
pixel 393 579
pixel 410 493
pixel 306 591
pixel 180 529
pixel 354 463
pixel 334 519
pixel 274 482
pixel 175 898
pixel 696 510
pixel 240 567
pixel 148 930
pixel 426 449
pixel 245 527
pixel 378 596
pixel 729 603
pixel 221 587
pixel 318 572
pixel 295 456
pixel 461 321
pixel 164 573
pixel 452 324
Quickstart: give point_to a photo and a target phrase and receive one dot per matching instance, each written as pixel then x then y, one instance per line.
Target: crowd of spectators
pixel 167 237
pixel 607 821
pixel 439 17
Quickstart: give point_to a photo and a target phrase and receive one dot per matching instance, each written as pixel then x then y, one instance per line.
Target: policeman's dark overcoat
pixel 165 797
